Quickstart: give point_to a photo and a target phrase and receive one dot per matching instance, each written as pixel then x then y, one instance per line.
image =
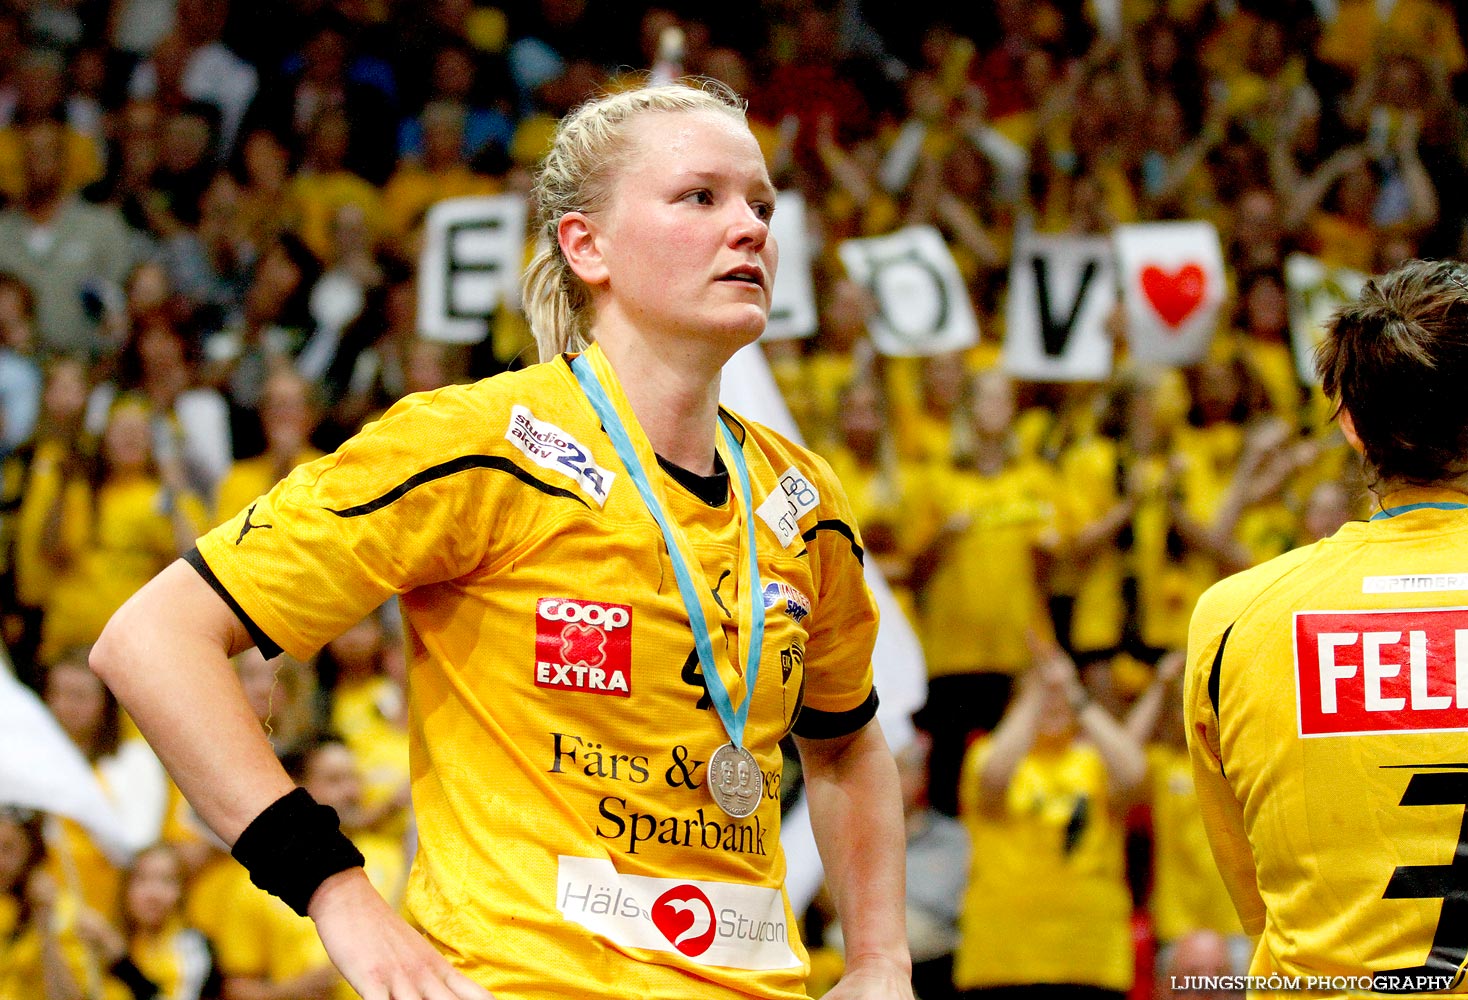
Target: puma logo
pixel 248 526
pixel 719 600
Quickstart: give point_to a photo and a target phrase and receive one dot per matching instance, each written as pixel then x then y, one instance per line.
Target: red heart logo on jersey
pixel 1174 294
pixel 583 645
pixel 686 918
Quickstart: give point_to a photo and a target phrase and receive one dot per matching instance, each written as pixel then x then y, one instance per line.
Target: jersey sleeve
pixel 399 506
pixel 1223 814
pixel 840 697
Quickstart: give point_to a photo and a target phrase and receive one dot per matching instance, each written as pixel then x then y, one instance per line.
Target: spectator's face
pixel 276 280
pixel 1266 307
pixel 266 161
pixel 1162 52
pixel 127 442
pixel 443 139
pixel 148 288
pixel 45 159
pixel 355 650
pixel 257 678
pixel 729 67
pixel 74 696
pixel 453 74
pixel 861 418
pixel 38 90
pixel 1328 508
pixel 326 58
pixel 221 201
pixel 204 19
pixel 161 352
pixel 285 410
pixel 154 889
pixel 66 389
pixel 1356 194
pixel 330 140
pixel 332 779
pixel 992 407
pixel 943 377
pixel 1165 123
pixel 185 142
pixel 1268 54
pixel 15 854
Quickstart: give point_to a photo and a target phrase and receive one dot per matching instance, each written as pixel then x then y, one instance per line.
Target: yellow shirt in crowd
pixel 1047 900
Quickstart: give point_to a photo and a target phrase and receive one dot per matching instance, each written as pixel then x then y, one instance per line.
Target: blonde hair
pixel 576 176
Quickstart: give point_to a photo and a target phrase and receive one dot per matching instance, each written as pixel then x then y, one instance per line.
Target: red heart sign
pixel 686 918
pixel 1176 294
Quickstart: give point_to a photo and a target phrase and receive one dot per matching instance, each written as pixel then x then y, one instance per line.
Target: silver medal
pixel 735 781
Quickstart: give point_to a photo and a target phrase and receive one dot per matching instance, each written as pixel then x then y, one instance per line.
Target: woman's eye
pixel 702 197
pixel 763 210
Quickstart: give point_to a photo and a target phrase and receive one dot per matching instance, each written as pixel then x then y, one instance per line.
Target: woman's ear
pixel 1348 428
pixel 577 234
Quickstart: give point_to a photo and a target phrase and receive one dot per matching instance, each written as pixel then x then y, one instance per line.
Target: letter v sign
pixel 1054 336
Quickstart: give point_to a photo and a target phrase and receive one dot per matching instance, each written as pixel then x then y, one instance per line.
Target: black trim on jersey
pixel 712 490
pixel 841 528
pixel 268 647
pixel 449 468
pixel 1217 667
pixel 813 724
pixel 739 432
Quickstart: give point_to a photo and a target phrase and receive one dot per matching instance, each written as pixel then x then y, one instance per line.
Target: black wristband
pixel 294 846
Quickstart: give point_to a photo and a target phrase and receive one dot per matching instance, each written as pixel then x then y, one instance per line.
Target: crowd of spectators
pixel 212 213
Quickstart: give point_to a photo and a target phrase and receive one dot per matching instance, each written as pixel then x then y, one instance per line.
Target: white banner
pixel 793 299
pixel 473 255
pixel 898 668
pixel 41 769
pixel 1315 290
pixel 1061 291
pixel 1172 287
pixel 923 306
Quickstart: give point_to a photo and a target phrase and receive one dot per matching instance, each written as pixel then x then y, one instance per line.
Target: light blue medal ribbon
pixel 733 718
pixel 1387 512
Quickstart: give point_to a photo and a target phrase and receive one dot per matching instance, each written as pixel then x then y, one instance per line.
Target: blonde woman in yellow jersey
pixel 619 598
pixel 1325 689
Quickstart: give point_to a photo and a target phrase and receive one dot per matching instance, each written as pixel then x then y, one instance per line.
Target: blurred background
pixel 1054 269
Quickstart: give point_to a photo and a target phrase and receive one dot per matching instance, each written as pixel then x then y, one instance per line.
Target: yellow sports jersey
pixel 22 959
pixel 984 595
pixel 177 958
pixel 1047 900
pixel 115 542
pixel 1088 471
pixel 1187 892
pixel 1327 720
pixel 362 714
pixel 559 721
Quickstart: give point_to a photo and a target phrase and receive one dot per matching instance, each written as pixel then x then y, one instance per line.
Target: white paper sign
pixel 473 254
pixel 1172 287
pixel 793 299
pixel 41 769
pixel 923 307
pixel 1061 290
pixel 1315 291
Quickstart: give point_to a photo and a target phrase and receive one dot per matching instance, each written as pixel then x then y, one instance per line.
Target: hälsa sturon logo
pixel 583 646
pixel 686 918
